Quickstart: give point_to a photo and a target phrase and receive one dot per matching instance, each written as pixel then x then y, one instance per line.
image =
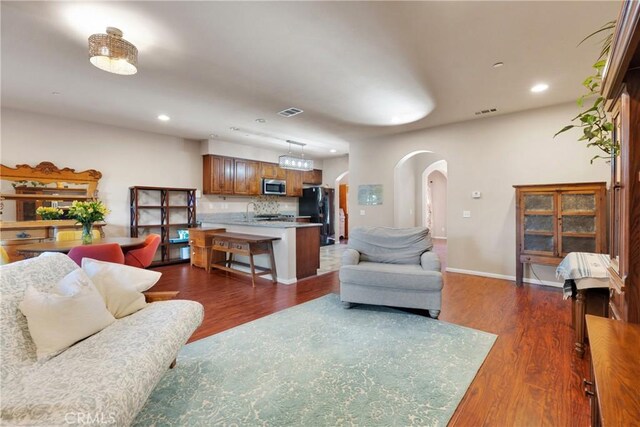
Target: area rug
pixel 318 364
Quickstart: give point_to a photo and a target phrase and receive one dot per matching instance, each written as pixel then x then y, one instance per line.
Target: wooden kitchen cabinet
pixel 553 220
pixel 294 183
pixel 312 177
pixel 242 177
pixel 218 174
pixel 247 177
pixel 307 251
pixel 272 171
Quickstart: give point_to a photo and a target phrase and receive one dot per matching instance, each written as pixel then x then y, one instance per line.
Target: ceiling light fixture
pixel 333 150
pixel 233 128
pixel 540 87
pixel 164 118
pixel 261 121
pixel 110 52
pixel 498 64
pixel 288 161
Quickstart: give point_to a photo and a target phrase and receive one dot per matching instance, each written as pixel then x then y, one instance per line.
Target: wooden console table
pixel 615 372
pixel 201 242
pixel 244 245
pixel 593 301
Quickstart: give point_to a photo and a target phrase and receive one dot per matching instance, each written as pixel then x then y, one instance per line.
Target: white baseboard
pixel 504 277
pixel 438 237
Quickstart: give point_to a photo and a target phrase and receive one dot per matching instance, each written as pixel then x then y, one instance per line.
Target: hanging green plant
pixel 596 127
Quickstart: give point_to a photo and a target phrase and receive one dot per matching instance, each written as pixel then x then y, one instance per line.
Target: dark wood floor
pixel 531 376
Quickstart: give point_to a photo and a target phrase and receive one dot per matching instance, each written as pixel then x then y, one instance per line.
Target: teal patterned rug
pixel 317 364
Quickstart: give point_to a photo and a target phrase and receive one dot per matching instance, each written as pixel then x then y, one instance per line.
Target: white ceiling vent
pixel 487 111
pixel 290 112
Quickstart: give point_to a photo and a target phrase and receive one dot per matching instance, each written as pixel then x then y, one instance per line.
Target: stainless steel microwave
pixel 276 187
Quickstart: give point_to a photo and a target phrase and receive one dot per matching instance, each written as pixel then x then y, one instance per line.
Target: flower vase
pixel 87 233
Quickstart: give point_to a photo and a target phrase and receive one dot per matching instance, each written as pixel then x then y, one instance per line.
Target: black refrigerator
pixel 317 202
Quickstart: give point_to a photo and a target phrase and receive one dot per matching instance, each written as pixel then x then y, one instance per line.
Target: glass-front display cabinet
pixel 553 220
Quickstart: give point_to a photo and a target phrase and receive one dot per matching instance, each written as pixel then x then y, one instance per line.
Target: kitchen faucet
pixel 246 214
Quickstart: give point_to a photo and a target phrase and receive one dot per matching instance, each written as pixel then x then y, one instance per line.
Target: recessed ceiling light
pixel 498 64
pixel 333 150
pixel 164 118
pixel 55 93
pixel 213 135
pixel 261 121
pixel 234 128
pixel 540 87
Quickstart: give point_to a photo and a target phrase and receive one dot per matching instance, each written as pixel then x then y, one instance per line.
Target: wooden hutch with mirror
pixel 24 189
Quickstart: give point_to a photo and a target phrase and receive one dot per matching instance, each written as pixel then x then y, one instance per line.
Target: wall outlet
pixel 466 214
pixel 476 194
pixel 361 211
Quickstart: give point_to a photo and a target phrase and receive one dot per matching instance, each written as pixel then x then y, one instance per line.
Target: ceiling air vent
pixel 290 112
pixel 487 111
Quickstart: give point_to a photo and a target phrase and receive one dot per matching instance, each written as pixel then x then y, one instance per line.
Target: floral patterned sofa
pixel 104 379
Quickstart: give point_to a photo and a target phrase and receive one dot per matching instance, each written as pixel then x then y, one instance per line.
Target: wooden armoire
pixel 615 343
pixel 621 89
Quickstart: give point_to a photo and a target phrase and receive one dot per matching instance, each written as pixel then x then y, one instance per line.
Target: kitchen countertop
pixel 268 224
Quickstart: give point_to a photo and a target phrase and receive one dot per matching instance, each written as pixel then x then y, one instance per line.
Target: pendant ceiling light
pixel 110 52
pixel 289 161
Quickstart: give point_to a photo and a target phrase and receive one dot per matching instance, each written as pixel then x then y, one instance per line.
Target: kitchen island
pixel 297 253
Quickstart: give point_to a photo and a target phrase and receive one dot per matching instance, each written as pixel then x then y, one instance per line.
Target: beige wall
pixel 488 155
pixel 231 149
pixel 125 157
pixel 333 168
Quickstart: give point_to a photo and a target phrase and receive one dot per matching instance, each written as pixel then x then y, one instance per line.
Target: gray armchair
pixel 391 266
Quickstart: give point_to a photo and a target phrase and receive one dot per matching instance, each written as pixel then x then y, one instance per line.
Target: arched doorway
pixel 434 206
pixel 404 190
pixel 412 174
pixel 341 213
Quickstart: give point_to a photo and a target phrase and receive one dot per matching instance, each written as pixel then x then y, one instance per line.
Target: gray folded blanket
pixel 390 245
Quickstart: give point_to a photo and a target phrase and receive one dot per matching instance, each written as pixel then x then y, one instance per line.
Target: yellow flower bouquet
pixel 47 213
pixel 86 213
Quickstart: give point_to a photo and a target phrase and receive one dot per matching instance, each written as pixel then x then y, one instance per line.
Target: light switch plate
pixel 466 214
pixel 361 211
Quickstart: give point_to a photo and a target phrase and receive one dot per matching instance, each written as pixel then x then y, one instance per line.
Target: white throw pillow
pixel 74 310
pixel 120 285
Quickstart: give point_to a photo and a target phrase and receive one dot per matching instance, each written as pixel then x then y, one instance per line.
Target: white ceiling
pixel 357 69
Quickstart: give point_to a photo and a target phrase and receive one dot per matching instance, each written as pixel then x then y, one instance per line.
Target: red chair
pixel 108 252
pixel 142 257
